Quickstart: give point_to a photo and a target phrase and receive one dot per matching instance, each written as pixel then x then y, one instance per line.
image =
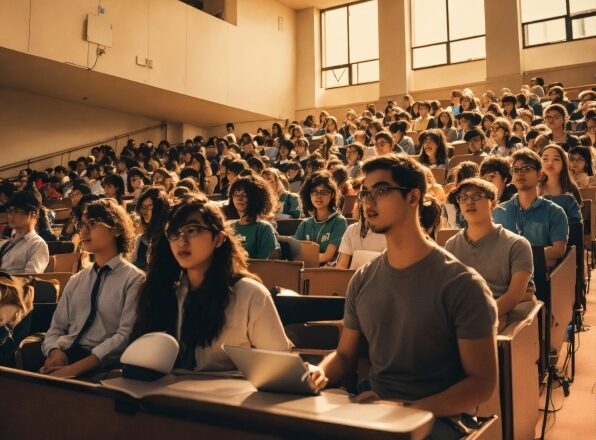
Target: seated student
pixel 505 142
pixel 283 157
pixel 434 152
pixel 199 290
pixel 557 184
pixel 540 221
pixel 496 170
pixel 414 288
pixel 467 121
pixel 355 154
pixel 288 202
pixel 446 123
pixel 476 140
pixel 482 243
pixel 424 121
pixel 430 216
pixel 555 117
pixel 557 96
pixel 398 131
pixel 295 176
pixel 152 207
pixel 25 252
pixel 451 216
pixel 384 144
pixel 16 303
pixel 251 201
pixel 113 187
pixel 233 170
pixel 508 102
pixel 580 165
pixel 320 199
pixel 359 237
pixel 94 318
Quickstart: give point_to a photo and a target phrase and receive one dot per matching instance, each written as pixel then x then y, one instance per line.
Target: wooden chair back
pixel 456 160
pixel 325 281
pixel 278 273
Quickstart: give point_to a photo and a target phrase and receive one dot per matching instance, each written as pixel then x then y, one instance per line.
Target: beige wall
pixel 250 66
pixel 37 125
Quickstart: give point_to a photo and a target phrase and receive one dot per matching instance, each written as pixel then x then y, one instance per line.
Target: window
pixel 556 21
pixel 447 32
pixel 350 45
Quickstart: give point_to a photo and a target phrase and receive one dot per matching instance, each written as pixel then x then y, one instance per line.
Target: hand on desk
pixel 56 360
pixel 317 376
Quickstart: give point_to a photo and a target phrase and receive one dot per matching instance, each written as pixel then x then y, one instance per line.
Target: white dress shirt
pixel 29 256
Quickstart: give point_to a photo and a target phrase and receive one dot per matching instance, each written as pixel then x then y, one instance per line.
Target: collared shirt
pixel 29 256
pixel 116 311
pixel 542 224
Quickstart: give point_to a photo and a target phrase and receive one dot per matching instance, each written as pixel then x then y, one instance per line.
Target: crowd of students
pixel 178 261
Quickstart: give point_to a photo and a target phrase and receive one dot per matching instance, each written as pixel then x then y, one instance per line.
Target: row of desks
pixel 37 406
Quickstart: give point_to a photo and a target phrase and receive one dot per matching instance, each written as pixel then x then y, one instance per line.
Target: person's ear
pixel 220 239
pixel 414 197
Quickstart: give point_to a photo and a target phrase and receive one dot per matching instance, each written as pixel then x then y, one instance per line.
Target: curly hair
pixel 317 179
pixel 113 215
pixel 261 199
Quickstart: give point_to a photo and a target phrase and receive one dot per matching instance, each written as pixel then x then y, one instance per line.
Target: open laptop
pixel 275 371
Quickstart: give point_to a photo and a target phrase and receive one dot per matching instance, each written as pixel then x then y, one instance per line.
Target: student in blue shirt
pixel 540 221
pixel 320 198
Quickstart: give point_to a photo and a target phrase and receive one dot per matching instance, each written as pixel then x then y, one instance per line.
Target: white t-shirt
pixel 251 321
pixel 352 241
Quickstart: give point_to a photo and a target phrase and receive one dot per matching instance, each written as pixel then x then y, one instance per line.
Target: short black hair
pixel 496 164
pixel 25 200
pixel 401 126
pixel 474 132
pixel 527 156
pixel 8 188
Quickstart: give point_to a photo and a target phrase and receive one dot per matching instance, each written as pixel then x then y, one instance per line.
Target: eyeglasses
pixel 187 233
pixel 93 223
pixel 15 211
pixel 474 197
pixel 322 193
pixel 381 143
pixel 380 191
pixel 553 118
pixel 145 208
pixel 239 196
pixel 576 159
pixel 522 170
pixel 75 194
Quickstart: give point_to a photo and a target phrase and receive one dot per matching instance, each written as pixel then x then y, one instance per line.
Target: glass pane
pixel 545 32
pixel 538 9
pixel 430 56
pixel 581 6
pixel 364 31
pixel 466 18
pixel 336 78
pixel 335 37
pixel 468 50
pixel 365 72
pixel 429 22
pixel 584 27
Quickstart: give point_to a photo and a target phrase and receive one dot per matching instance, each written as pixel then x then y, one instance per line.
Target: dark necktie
pixel 93 312
pixel 6 247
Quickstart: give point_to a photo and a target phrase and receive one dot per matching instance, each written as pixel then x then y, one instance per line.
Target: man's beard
pixel 380 229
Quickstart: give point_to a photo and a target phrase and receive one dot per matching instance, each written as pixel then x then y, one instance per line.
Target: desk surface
pixel 215 403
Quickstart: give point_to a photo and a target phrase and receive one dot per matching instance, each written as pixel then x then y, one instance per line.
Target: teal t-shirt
pixel 258 238
pixel 324 233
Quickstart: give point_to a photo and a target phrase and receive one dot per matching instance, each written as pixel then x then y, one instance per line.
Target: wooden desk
pixel 189 407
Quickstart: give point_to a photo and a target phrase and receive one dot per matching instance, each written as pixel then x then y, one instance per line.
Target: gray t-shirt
pixel 496 256
pixel 412 319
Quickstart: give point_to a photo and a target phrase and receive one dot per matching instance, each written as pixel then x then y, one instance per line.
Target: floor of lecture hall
pixel 577 417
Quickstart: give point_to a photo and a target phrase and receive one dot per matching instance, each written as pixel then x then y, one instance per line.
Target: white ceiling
pixel 319 4
pixel 45 77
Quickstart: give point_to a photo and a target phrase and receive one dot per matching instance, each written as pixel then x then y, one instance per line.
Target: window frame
pixel 349 64
pixel 447 43
pixel 568 26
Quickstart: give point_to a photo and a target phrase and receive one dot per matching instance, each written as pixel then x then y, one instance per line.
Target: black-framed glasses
pixel 576 159
pixel 380 191
pixel 187 233
pixel 474 197
pixel 15 211
pixel 522 170
pixel 92 223
pixel 322 193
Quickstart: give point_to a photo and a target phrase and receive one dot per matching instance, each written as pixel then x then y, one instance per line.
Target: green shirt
pixel 324 233
pixel 258 238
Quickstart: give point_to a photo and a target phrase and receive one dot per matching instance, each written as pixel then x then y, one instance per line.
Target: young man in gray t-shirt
pixel 503 258
pixel 430 321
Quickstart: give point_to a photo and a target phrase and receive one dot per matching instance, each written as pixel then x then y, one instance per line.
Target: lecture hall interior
pixel 298 219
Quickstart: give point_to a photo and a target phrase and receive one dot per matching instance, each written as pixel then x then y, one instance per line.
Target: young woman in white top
pixel 200 291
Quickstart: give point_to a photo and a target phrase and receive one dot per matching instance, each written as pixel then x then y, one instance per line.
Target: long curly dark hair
pixel 205 307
